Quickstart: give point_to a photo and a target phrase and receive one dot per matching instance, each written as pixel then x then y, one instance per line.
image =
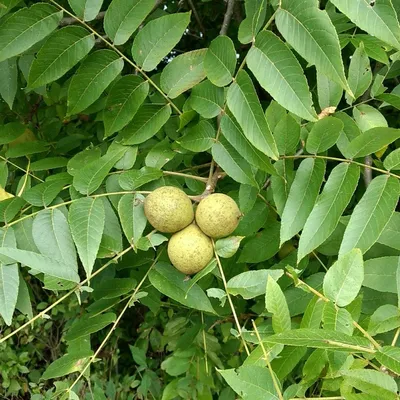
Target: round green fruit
pixel 168 209
pixel 218 215
pixel 190 250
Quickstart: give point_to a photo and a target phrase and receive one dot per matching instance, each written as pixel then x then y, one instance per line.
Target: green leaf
pixel 281 183
pixel 86 9
pixel 371 214
pixel 206 99
pixel 49 163
pixel 322 339
pixel 86 219
pixel 89 324
pixel 350 132
pixel 44 193
pixel 201 274
pixel 131 180
pixel 9 208
pixel 53 238
pixel 385 319
pixel 380 274
pixel 235 136
pixel 255 16
pixel 329 91
pixel 7 6
pixel 275 303
pixel 228 247
pixel 112 288
pixel 251 382
pixel 329 207
pixel 111 241
pixel 311 33
pixel 26 149
pixel 131 215
pixel 392 160
pixel 61 51
pixel 287 360
pixel 372 382
pixel 368 117
pixel 280 74
pixel 11 131
pixel 313 313
pixel 263 245
pixel 148 120
pixel 233 163
pixel 344 278
pixel 42 263
pixel 302 196
pixel 378 20
pixel 24 301
pixel 94 75
pixel 360 74
pixel 243 101
pixel 91 176
pixel 287 135
pixel 67 364
pixel 337 319
pixel 160 154
pixel 391 234
pixel 199 137
pixel 371 141
pixel 158 38
pixel 220 61
pixel 183 72
pixel 389 357
pixel 251 284
pixel 9 282
pixel 123 101
pixel 8 80
pixel 124 17
pixel 324 135
pixel 26 27
pixel 374 47
pixel 170 282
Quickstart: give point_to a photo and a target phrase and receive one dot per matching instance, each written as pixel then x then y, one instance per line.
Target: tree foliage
pixel 290 107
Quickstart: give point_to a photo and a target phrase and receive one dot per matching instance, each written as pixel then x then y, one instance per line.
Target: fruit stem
pixel 229 299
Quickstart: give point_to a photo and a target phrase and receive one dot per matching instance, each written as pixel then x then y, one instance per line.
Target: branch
pixel 196 16
pixel 227 17
pixel 71 21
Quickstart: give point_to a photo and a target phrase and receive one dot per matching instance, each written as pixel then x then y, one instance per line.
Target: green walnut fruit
pixel 190 250
pixel 168 209
pixel 218 215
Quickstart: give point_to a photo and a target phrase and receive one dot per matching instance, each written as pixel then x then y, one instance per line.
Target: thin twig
pixel 227 17
pixel 103 343
pixel 195 177
pixel 204 343
pixel 341 160
pixel 273 376
pixel 20 168
pixel 77 287
pixel 367 170
pixel 71 21
pixel 197 17
pixel 396 336
pixel 229 299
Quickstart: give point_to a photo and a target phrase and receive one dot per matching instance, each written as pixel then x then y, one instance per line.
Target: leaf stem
pixel 204 342
pixel 230 299
pixel 20 168
pixel 77 287
pixel 127 305
pixel 108 43
pixel 396 336
pixel 341 160
pixel 195 177
pixel 273 376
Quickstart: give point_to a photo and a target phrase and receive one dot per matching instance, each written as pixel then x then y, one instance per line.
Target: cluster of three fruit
pixel 190 249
